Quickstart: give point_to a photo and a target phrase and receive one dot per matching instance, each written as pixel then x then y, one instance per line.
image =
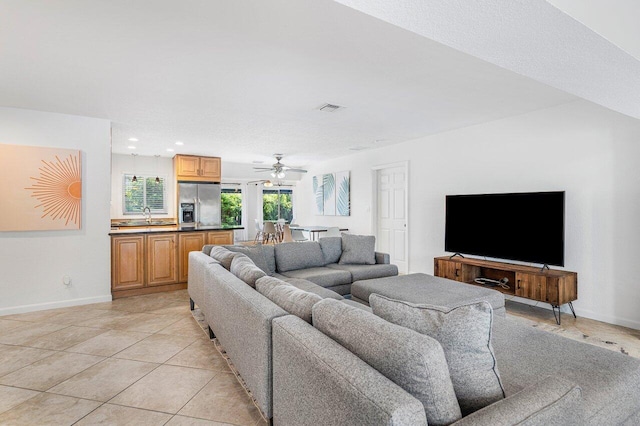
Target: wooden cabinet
pixel 192 241
pixel 549 285
pixel 220 238
pixel 161 259
pixel 144 263
pixel 127 262
pixel 197 169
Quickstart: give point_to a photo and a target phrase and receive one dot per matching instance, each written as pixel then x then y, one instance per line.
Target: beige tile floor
pixel 145 361
pixel 141 360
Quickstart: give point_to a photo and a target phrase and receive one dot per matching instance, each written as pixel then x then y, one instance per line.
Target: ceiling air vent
pixel 329 108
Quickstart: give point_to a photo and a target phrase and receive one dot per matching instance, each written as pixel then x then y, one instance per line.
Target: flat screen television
pixel 527 227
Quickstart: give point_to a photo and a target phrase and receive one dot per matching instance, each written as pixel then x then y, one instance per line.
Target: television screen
pixel 528 227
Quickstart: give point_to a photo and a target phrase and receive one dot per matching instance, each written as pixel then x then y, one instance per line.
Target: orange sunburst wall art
pixel 40 188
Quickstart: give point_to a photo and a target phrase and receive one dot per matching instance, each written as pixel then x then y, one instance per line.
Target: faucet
pixel 148 219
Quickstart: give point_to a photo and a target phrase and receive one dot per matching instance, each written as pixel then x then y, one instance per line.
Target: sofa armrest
pixel 207 249
pixel 382 258
pixel 549 401
pixel 317 381
pixel 198 262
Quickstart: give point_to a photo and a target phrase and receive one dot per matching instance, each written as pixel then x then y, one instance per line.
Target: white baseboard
pixel 54 305
pixel 586 313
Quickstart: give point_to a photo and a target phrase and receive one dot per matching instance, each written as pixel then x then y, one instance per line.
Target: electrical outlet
pixel 66 280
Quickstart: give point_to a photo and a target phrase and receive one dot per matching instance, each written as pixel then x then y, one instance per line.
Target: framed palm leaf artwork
pixel 332 194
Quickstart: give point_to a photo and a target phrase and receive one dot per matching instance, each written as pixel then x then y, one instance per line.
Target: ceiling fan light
pixel 273 174
pixel 280 175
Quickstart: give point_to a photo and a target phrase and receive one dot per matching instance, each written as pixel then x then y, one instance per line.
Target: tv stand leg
pixel 456 254
pixel 572 310
pixel 557 317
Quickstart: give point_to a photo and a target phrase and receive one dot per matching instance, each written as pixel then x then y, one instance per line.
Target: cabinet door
pixel 531 286
pixel 161 259
pixel 210 167
pixel 127 262
pixel 450 269
pixel 220 238
pixel 189 241
pixel 188 166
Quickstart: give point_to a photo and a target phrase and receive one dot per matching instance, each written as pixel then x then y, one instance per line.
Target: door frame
pixel 374 203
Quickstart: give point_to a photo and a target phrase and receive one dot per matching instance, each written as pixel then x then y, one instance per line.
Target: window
pixel 277 204
pixel 231 203
pixel 144 192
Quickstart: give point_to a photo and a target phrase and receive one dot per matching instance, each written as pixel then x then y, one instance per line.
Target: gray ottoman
pixel 423 288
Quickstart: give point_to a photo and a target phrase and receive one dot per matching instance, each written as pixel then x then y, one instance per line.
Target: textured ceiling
pixel 243 79
pixel 532 38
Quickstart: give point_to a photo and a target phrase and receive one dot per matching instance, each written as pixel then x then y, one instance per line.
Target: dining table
pixel 314 231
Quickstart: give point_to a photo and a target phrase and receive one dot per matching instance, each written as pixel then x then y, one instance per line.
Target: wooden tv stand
pixel 548 285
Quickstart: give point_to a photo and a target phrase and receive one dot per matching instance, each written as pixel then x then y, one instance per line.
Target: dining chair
pixel 333 231
pixel 286 234
pixel 297 235
pixel 259 232
pixel 269 232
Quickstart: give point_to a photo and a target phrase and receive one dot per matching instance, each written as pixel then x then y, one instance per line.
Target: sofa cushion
pixel 292 256
pixel 314 288
pixel 367 272
pixel 331 249
pixel 323 276
pixel 255 253
pixel 244 268
pixel 269 252
pixel 358 249
pixel 222 255
pixel 553 400
pixel 413 361
pixel 293 300
pixel 465 335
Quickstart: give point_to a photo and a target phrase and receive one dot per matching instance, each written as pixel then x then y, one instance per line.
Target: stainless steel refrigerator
pixel 199 203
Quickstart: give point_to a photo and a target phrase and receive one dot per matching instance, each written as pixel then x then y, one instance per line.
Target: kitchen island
pixel 155 258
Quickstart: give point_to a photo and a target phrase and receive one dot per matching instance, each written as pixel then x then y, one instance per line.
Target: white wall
pixel 588 151
pixel 33 263
pixel 146 166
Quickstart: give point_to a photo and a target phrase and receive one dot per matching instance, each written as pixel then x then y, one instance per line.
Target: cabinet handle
pixel 518 286
pixel 457 272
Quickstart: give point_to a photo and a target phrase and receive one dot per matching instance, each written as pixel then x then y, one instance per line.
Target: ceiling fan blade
pixel 262 168
pixel 296 170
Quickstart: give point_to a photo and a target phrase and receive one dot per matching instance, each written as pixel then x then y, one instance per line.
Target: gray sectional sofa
pixel 240 317
pixel 311 357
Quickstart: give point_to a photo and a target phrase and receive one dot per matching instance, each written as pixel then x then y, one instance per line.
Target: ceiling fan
pixel 279 170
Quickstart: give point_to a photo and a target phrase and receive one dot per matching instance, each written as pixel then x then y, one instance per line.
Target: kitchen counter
pixel 164 228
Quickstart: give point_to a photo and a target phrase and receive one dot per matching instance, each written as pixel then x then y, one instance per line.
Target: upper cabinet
pixel 197 169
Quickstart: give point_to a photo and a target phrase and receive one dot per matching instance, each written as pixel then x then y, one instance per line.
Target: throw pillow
pixel 413 361
pixel 331 249
pixel 255 253
pixel 243 268
pixel 465 335
pixel 293 300
pixel 222 255
pixel 358 249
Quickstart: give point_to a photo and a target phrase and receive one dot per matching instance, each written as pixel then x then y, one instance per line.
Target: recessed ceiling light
pixel 179 143
pixel 357 148
pixel 131 147
pixel 258 162
pixel 169 149
pixel 133 139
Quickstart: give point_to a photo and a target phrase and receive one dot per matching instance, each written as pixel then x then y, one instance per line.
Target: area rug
pixel 575 334
pixel 199 317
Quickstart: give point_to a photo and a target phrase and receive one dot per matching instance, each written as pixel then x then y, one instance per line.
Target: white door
pixel 392 215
